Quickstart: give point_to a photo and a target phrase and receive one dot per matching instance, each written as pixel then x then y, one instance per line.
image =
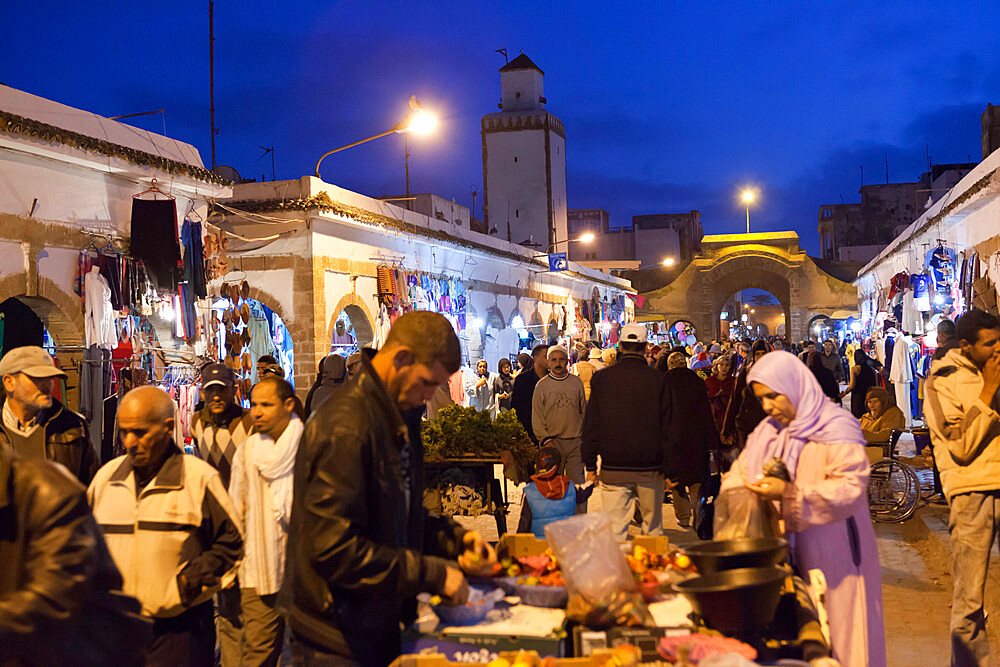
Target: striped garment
pixel 218 446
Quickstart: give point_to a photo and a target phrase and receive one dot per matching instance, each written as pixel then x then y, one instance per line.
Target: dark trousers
pixel 187 639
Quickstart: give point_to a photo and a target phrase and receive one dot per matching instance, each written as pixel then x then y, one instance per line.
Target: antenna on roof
pixel 503 52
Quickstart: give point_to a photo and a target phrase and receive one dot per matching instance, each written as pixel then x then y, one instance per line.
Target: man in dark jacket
pixel 37 425
pixel 625 425
pixel 524 387
pixel 692 431
pixel 356 564
pixel 60 592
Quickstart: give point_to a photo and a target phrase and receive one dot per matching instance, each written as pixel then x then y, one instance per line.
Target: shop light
pixel 938 299
pixel 476 323
pixel 855 327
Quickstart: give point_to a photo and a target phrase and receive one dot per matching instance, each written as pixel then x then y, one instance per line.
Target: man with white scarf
pixel 261 489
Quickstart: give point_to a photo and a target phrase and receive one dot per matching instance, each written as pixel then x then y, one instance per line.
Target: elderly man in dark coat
pixel 692 434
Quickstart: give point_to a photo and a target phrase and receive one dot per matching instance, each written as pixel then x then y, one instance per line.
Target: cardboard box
pixel 587 642
pixel 598 659
pixel 469 648
pixel 659 544
pixel 518 545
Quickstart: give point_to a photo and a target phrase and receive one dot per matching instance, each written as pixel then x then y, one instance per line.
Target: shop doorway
pixel 351 331
pixel 248 330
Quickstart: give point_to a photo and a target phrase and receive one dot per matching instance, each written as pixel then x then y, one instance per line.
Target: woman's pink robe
pixel 831 485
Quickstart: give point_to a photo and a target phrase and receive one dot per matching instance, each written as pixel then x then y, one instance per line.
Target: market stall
pixel 582 594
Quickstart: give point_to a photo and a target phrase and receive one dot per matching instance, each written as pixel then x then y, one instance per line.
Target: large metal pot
pixel 732 554
pixel 737 603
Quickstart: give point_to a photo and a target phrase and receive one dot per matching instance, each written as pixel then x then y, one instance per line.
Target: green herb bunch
pixel 457 431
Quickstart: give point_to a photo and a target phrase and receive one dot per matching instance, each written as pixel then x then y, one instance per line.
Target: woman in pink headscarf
pixel 824 504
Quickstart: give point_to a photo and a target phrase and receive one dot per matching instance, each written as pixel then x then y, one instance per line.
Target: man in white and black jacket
pixel 170 527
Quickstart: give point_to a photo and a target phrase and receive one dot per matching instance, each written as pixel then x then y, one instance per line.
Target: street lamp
pixel 748 197
pixel 668 261
pixel 584 238
pixel 417 121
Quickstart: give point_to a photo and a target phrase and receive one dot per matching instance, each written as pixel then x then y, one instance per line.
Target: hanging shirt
pixel 942 263
pixel 99 322
pixel 921 284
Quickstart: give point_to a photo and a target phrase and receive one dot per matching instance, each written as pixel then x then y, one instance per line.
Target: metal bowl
pixel 739 553
pixel 737 603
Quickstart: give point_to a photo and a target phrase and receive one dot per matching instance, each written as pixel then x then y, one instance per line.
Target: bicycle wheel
pixel 893 491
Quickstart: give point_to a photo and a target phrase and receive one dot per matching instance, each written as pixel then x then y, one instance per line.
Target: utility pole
pixel 211 72
pixel 406 164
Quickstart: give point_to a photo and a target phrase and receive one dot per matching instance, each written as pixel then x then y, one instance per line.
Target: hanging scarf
pixel 817 419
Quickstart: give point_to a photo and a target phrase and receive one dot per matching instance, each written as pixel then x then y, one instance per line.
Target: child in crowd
pixel 550 496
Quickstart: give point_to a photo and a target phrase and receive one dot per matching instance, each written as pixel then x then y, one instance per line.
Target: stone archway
pixel 771 261
pixel 742 271
pixel 61 314
pixel 361 319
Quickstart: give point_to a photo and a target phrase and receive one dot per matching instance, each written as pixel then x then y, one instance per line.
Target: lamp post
pixel 417 121
pixel 748 198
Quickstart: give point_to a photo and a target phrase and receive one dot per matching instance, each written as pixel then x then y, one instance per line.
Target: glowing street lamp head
pixel 748 196
pixel 586 238
pixel 421 123
pixel 668 261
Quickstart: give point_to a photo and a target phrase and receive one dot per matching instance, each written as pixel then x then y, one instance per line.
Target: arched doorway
pixel 351 330
pixel 821 327
pixel 247 330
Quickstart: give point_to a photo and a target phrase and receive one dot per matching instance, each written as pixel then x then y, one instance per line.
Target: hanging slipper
pixel 247 362
pixel 245 290
pixel 245 313
pixel 247 385
pixel 227 319
pixel 245 335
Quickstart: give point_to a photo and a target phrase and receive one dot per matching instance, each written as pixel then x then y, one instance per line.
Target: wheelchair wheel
pixel 893 491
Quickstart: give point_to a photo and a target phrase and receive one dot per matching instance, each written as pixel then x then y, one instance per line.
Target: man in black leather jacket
pixel 355 560
pixel 60 592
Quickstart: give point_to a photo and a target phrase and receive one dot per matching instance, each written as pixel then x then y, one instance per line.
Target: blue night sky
pixel 668 106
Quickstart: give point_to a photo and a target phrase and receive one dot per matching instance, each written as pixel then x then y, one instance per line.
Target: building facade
pixel 858 232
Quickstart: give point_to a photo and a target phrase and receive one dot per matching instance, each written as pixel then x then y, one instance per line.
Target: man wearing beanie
pixel 37 425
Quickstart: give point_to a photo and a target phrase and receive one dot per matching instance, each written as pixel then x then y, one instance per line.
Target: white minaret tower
pixel 524 162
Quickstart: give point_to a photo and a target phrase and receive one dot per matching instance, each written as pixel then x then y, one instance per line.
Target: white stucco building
pixel 67 178
pixel 322 248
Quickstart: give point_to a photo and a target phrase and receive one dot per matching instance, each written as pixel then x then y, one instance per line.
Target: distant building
pixel 858 232
pixel 524 162
pixel 434 206
pixel 647 242
pixel 667 235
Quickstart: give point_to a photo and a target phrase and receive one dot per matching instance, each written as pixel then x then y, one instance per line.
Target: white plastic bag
pixel 592 562
pixel 742 513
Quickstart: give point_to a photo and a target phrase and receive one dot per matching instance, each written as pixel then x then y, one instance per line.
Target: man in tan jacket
pixel 962 413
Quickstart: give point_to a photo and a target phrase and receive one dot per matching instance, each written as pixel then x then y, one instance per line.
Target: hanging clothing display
pixel 99 322
pixel 901 375
pixel 155 242
pixel 194 258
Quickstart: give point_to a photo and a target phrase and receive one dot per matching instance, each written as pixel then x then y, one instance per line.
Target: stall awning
pixel 650 317
pixel 843 315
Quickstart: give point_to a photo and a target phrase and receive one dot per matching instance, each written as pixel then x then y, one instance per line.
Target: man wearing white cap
pixel 37 425
pixel 625 426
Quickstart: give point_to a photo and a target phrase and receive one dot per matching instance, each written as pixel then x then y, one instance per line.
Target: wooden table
pixel 494 493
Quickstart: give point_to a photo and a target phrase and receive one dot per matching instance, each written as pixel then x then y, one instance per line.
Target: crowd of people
pixel 306 521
